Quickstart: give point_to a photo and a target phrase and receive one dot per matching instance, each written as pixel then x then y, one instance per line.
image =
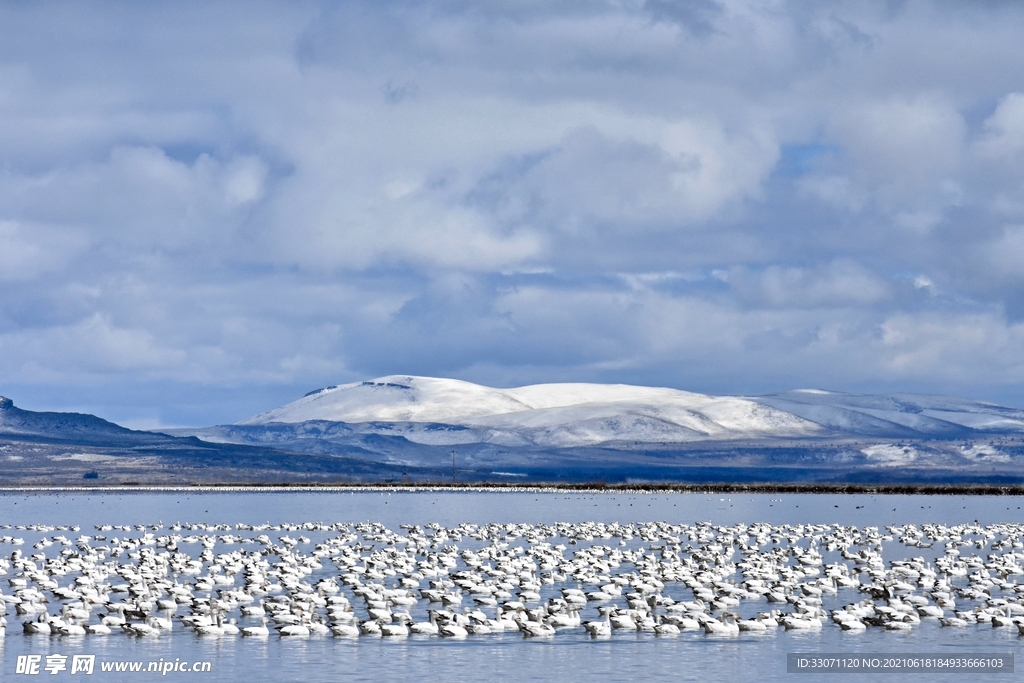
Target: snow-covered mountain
pixel 445 411
pixel 912 414
pixel 419 428
pixel 557 415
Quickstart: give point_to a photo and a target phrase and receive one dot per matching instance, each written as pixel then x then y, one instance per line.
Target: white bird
pixel 726 627
pixel 752 625
pixel 564 620
pixel 622 621
pixel 38 627
pixel 370 627
pixel 345 630
pixel 72 628
pixel 800 622
pixel 253 610
pixel 602 627
pixel 260 631
pixel 214 629
pixel 536 629
pixel 140 629
pixel 428 627
pixel 294 630
pixel 451 630
pixel 394 630
pixel 666 629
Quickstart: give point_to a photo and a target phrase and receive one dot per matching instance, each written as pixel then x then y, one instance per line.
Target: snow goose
pixel 394 630
pixel 345 630
pixel 726 627
pixel 752 625
pixel 260 631
pixel 295 630
pixel 451 630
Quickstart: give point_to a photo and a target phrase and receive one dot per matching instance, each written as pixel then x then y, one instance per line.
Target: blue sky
pixel 208 209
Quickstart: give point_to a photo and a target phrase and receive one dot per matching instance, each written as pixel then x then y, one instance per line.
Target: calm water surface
pixel 570 655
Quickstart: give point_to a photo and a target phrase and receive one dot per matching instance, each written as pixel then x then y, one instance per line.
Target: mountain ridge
pixel 75 427
pixel 424 429
pixel 561 415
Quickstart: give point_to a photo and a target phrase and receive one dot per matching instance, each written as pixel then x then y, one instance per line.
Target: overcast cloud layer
pixel 208 209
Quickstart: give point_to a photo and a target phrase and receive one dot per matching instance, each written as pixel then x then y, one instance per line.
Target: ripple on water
pixel 571 654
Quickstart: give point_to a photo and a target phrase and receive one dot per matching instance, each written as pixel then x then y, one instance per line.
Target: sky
pixel 208 209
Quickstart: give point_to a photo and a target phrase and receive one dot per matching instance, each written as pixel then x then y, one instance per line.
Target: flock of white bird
pixel 365 579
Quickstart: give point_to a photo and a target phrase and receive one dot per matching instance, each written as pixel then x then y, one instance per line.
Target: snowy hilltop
pixel 424 429
pixel 447 411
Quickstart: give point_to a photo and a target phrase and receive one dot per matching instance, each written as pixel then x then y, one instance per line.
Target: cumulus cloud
pixel 1003 136
pixel 92 346
pixel 840 283
pixel 244 202
pixel 1006 252
pixel 32 251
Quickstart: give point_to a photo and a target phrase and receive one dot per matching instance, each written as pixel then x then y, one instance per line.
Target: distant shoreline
pixel 550 487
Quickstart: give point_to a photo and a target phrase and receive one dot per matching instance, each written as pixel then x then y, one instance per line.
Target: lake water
pixel 568 656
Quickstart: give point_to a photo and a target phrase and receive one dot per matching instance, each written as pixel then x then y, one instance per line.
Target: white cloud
pixel 925 283
pixel 1006 253
pixel 964 348
pixel 836 190
pixel 718 168
pixel 138 198
pixel 272 195
pixel 902 153
pixel 27 252
pixel 835 284
pixel 244 180
pixel 1004 130
pixel 905 139
pixel 88 347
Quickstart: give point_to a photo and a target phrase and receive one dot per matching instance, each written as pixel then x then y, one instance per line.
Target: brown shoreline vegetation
pixel 593 487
